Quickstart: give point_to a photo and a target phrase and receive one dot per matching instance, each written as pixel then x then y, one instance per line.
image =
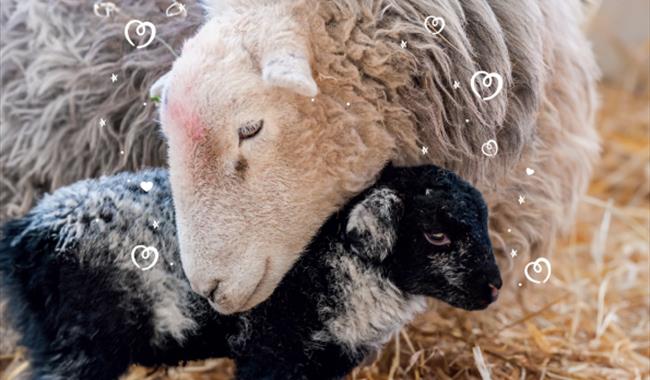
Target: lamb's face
pixel 255 165
pixel 443 249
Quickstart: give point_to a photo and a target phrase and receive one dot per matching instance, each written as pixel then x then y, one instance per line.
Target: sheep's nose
pixel 494 292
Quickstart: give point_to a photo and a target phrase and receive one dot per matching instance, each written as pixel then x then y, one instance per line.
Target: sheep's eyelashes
pixel 250 129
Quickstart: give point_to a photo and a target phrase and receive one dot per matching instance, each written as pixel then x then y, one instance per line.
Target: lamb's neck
pixel 370 308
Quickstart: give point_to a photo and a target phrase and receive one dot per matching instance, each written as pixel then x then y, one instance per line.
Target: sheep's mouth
pixel 244 305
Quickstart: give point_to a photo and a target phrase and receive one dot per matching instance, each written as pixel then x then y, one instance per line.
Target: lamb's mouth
pixel 244 305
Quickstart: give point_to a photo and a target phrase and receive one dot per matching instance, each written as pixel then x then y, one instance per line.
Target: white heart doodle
pixel 486 82
pixel 145 253
pixel 105 6
pixel 530 171
pixel 140 30
pixel 490 148
pixel 435 25
pixel 176 9
pixel 146 185
pixel 537 268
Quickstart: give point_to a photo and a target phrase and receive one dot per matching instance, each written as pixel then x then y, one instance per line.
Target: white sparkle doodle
pixel 140 30
pixel 486 82
pixel 104 9
pixel 435 25
pixel 538 267
pixel 490 148
pixel 176 9
pixel 143 257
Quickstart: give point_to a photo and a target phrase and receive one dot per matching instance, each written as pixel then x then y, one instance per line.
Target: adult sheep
pixel 277 112
pixel 400 99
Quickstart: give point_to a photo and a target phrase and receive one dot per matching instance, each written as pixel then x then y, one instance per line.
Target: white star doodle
pixel 522 199
pixel 403 44
pixel 425 150
pixel 456 84
pixel 155 224
pixel 102 122
pixel 513 253
pixel 113 78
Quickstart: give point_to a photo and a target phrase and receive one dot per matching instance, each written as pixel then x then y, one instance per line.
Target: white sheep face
pixel 256 165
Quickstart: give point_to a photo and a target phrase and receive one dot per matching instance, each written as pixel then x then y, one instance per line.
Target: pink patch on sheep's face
pixel 185 116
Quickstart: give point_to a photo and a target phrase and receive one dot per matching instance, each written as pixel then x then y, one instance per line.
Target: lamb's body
pixel 86 311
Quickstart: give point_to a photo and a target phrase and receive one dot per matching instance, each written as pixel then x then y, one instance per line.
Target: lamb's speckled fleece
pixel 86 312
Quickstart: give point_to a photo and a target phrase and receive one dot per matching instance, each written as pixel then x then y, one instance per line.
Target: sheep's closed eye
pixel 437 238
pixel 249 130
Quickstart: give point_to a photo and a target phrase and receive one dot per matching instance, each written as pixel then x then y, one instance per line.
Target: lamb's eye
pixel 437 238
pixel 250 129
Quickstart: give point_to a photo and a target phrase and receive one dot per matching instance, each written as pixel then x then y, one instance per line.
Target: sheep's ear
pixel 373 223
pixel 156 90
pixel 289 69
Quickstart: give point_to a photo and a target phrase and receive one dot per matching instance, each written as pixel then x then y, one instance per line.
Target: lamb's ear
pixel 373 223
pixel 156 89
pixel 289 68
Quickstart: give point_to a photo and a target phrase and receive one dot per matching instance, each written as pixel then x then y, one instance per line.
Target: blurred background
pixel 592 321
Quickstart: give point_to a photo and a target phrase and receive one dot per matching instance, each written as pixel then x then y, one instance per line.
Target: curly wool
pixel 56 65
pixel 543 118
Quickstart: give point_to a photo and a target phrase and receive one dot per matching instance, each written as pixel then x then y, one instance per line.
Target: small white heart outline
pixel 530 171
pixel 489 146
pixel 487 82
pixel 434 21
pixel 140 30
pixel 146 252
pixel 538 269
pixel 146 185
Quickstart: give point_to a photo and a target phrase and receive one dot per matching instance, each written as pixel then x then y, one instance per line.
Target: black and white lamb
pixel 86 311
